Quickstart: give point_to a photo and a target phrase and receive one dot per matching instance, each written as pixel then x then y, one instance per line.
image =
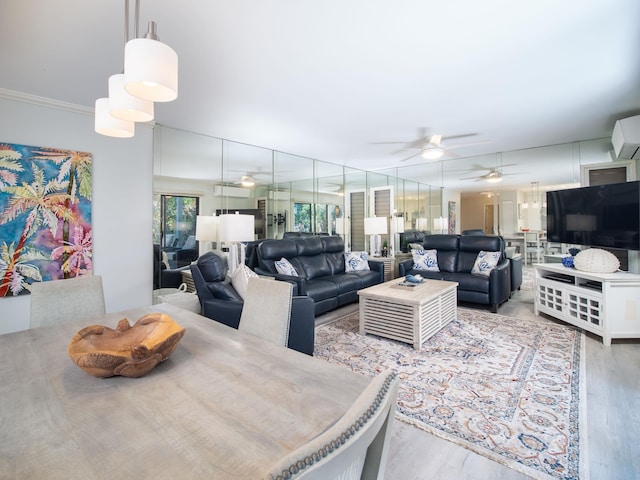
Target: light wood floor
pixel 613 419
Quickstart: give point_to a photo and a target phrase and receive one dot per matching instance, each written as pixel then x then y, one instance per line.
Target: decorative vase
pixel 567 262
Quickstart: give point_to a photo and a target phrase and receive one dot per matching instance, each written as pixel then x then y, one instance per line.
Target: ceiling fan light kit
pixel 150 75
pixel 247 181
pixel 494 177
pixel 432 153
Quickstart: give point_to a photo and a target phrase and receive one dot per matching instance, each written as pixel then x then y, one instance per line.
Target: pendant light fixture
pixel 151 68
pixel 107 124
pixel 125 106
pixel 115 116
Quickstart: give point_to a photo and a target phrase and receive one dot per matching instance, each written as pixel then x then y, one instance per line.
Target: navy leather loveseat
pixel 320 264
pixel 456 256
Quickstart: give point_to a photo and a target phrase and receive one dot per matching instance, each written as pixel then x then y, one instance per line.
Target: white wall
pixel 122 195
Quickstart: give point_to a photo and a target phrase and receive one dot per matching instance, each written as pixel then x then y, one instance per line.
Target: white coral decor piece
pixel 596 260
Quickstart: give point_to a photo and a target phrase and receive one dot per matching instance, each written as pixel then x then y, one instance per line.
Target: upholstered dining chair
pixel 355 447
pixel 266 312
pixel 59 301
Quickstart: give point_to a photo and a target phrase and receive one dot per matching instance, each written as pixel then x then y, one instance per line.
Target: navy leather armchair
pixel 164 277
pixel 222 303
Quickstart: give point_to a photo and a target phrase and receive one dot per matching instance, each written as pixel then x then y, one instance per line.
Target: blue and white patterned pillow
pixel 284 267
pixel 485 262
pixel 356 261
pixel 425 260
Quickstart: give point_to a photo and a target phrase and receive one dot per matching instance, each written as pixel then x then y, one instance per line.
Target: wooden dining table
pixel 224 405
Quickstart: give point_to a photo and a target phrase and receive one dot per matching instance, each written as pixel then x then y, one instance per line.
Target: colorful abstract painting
pixel 45 216
pixel 452 217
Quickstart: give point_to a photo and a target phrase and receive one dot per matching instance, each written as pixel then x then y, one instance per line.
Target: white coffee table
pixel 407 314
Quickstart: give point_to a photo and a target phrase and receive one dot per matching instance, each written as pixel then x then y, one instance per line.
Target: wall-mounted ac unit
pixel 224 191
pixel 626 138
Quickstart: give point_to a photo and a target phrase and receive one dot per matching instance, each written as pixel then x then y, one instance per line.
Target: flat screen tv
pixel 601 216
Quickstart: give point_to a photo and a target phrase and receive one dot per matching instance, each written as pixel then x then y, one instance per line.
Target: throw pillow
pixel 425 260
pixel 284 267
pixel 165 260
pixel 416 246
pixel 485 262
pixel 240 279
pixel 356 261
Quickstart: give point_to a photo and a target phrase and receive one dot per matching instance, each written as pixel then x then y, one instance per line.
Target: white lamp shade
pixel 206 228
pixel 439 223
pixel 106 124
pixel 236 228
pixel 422 223
pixel 375 225
pixel 124 106
pixel 151 70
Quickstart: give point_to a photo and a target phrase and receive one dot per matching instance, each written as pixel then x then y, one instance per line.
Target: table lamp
pixel 439 224
pixel 207 229
pixel 375 226
pixel 234 229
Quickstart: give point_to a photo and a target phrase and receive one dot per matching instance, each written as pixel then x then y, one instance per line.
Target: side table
pixel 187 278
pixel 389 267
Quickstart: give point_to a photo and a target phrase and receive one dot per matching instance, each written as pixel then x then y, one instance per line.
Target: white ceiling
pixel 331 80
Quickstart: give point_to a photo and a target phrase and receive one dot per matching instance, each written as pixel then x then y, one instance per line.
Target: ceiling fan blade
pixel 410 157
pixel 446 144
pixel 435 140
pixel 455 137
pixel 449 155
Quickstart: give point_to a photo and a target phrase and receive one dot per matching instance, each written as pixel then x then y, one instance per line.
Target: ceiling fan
pixel 248 178
pixel 493 175
pixel 433 147
pixel 246 181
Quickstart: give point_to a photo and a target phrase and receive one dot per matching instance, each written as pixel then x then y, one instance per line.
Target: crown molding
pixel 57 104
pixel 44 102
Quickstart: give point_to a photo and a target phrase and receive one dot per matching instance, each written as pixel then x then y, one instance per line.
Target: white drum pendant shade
pixel 106 124
pixel 151 70
pixel 124 106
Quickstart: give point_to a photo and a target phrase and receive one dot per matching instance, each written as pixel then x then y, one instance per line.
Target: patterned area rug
pixel 528 278
pixel 505 388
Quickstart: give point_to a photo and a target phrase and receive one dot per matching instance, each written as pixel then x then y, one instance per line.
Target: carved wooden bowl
pixel 130 351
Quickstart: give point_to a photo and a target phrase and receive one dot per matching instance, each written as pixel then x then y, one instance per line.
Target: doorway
pixel 489 216
pixel 174 227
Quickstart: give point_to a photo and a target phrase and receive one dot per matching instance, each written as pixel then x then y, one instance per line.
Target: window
pixel 174 227
pixel 306 215
pixel 301 217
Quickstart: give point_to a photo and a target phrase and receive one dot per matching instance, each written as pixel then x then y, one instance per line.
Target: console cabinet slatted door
pixel 606 304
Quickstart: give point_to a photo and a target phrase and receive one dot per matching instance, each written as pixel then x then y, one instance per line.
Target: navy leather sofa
pixel 456 256
pixel 222 303
pixel 320 264
pixel 411 236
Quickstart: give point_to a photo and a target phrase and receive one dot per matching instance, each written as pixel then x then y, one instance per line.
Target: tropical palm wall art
pixel 45 216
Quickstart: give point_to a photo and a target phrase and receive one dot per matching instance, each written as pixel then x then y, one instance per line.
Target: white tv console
pixel 606 304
